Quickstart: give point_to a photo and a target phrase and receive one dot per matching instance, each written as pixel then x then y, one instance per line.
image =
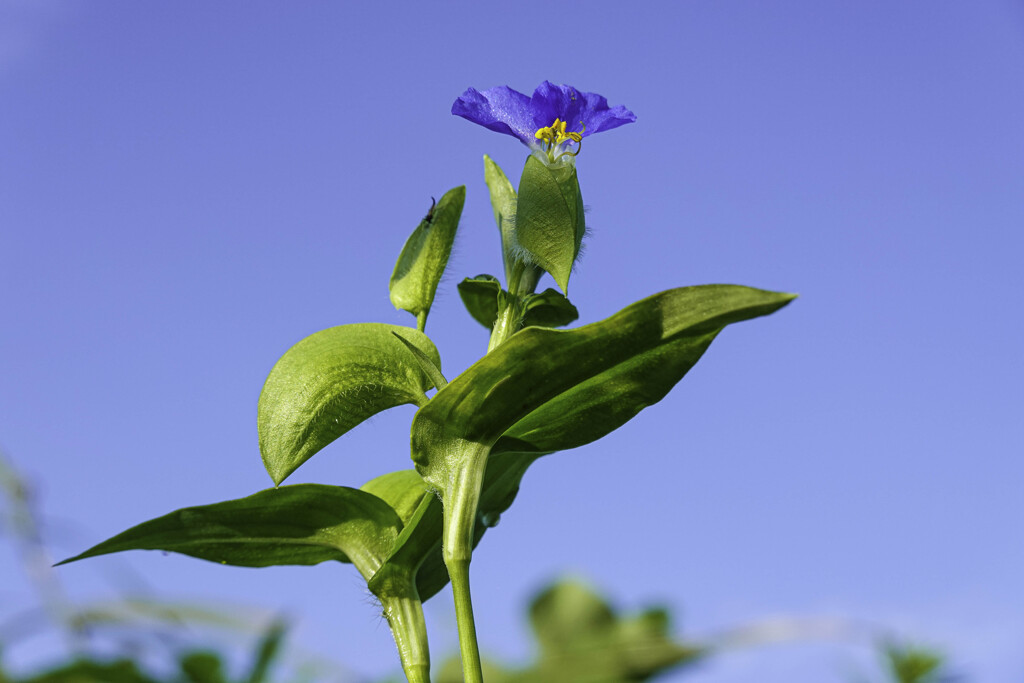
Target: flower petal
pixel 552 101
pixel 500 109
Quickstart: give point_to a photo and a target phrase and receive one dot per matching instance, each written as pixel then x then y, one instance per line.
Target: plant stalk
pixel 510 307
pixel 461 499
pixel 472 670
pixel 405 617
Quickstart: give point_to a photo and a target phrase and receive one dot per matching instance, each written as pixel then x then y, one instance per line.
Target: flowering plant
pixel 536 391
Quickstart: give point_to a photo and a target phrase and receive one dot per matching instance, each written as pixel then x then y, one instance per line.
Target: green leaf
pixel 303 524
pixel 426 363
pixel 549 309
pixel 291 525
pixel 402 491
pixel 503 201
pixel 481 295
pixel 545 390
pixel 425 255
pixel 330 382
pixel 417 551
pixel 549 217
pixel 598 375
pixel 420 546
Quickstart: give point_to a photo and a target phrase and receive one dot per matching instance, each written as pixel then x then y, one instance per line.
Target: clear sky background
pixel 189 188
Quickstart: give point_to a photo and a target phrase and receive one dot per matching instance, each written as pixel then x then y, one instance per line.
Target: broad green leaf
pixel 549 309
pixel 425 255
pixel 481 296
pixel 503 201
pixel 549 217
pixel 302 524
pixel 602 403
pixel 633 357
pixel 333 380
pixel 545 390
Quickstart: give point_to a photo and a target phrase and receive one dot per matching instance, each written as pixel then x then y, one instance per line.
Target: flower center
pixel 556 140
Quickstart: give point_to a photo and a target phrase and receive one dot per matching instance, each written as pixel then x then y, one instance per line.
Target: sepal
pixel 549 217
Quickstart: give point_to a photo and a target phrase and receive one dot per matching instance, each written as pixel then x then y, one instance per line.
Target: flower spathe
pixel 550 123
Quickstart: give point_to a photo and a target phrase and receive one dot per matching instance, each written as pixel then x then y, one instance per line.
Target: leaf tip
pixel 563 283
pixel 278 475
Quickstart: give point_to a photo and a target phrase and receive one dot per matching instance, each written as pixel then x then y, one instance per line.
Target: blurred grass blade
pixel 266 653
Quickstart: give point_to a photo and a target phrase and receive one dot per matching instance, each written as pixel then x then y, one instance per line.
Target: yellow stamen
pixel 555 134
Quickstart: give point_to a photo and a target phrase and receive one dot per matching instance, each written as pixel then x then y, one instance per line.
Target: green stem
pixel 472 670
pixel 510 310
pixel 461 499
pixel 507 323
pixel 405 616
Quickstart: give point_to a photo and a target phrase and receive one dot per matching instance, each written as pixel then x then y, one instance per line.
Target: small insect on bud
pixel 430 214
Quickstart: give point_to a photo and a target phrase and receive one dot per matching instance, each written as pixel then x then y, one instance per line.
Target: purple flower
pixel 550 121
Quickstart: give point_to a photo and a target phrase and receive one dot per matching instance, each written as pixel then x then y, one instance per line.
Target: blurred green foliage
pixel 194 666
pixel 581 639
pixel 911 664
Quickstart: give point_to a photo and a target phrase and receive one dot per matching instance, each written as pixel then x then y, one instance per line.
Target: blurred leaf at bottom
pixel 583 640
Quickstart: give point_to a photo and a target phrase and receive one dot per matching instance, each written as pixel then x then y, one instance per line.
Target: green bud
pixel 549 217
pixel 425 255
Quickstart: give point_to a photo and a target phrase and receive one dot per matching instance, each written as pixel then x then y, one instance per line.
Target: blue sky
pixel 189 188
